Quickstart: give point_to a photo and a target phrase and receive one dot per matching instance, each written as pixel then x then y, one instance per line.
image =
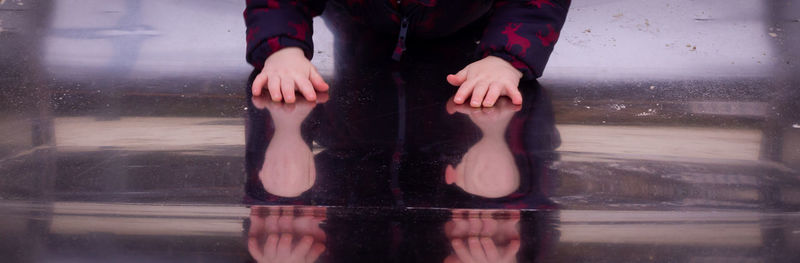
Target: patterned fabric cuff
pixel 266 48
pixel 527 73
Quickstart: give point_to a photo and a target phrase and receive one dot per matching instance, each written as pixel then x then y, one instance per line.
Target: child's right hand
pixel 286 71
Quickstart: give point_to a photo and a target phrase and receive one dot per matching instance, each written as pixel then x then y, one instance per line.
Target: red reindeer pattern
pixel 518 64
pixel 301 30
pixel 251 33
pixel 539 3
pixel 513 39
pixel 550 38
pixel 271 4
pixel 274 44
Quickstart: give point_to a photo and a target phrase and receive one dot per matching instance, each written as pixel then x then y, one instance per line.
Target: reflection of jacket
pixel 521 31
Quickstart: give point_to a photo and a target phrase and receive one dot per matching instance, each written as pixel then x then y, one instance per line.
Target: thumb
pixel 317 81
pixel 450 174
pixel 258 84
pixel 450 107
pixel 458 78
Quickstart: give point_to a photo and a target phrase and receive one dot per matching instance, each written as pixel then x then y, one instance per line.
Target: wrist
pixel 506 64
pixel 288 51
pixel 294 50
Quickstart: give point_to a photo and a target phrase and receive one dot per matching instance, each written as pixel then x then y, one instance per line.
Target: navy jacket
pixel 523 32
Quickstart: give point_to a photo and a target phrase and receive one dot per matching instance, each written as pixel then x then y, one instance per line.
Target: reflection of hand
pixel 488 168
pixel 288 168
pixel 486 80
pixel 288 115
pixel 479 236
pixel 491 121
pixel 286 71
pixel 279 235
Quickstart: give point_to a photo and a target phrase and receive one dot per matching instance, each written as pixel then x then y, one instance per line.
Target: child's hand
pixel 486 80
pixel 286 71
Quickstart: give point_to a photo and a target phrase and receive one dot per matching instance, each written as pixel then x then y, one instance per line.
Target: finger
pixel 511 250
pixel 256 226
pixel 322 97
pixel 303 247
pixel 510 228
pixel 306 89
pixel 258 84
pixel 458 78
pixel 260 102
pixel 302 225
pixel 478 94
pixel 271 246
pixel 491 96
pixel 317 81
pixel 285 224
pixel 492 255
pixel 284 246
pixel 271 223
pixel 463 92
pixel 463 109
pixel 316 251
pixel 476 250
pixel 274 87
pixel 450 106
pixel 489 227
pixel 287 89
pixel 460 228
pixel 475 226
pixel 255 251
pixel 449 174
pixel 461 250
pixel 514 94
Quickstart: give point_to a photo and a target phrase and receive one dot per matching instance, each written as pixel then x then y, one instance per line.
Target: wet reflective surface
pixel 401 147
pixel 127 134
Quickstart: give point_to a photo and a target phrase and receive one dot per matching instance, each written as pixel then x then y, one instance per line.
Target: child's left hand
pixel 486 80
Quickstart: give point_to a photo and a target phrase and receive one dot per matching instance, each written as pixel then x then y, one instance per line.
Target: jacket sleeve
pixel 275 24
pixel 523 32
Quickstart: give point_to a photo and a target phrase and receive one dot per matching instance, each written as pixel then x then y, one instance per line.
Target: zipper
pixel 401 40
pixel 401 37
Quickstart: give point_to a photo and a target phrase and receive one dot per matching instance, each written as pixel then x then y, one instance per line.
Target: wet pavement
pixel 129 135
